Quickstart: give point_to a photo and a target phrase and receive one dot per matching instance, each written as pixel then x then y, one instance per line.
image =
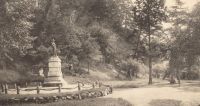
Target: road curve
pixel 143 96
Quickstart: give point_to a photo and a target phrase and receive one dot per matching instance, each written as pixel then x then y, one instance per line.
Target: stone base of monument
pixel 54 81
pixel 54 77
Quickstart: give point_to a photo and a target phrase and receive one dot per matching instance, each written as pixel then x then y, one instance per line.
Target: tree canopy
pixel 112 31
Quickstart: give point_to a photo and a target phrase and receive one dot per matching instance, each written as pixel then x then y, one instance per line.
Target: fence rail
pixel 39 88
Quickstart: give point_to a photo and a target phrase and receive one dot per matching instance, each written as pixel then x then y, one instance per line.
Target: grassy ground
pixel 86 102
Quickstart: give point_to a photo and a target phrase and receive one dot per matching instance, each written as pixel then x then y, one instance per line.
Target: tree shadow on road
pixel 165 102
pixel 186 85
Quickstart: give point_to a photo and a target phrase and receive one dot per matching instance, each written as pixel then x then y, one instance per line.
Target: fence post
pixel 79 86
pixel 38 90
pixel 40 84
pixel 79 96
pixel 18 89
pixel 6 89
pixel 15 86
pixel 100 84
pixel 26 84
pixel 2 87
pixel 93 85
pixel 59 88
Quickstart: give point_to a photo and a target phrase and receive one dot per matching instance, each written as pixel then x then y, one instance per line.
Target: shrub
pixel 80 71
pixel 136 69
pixel 160 68
pixel 192 74
pixel 9 76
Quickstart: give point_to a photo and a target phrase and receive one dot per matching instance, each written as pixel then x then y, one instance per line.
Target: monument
pixel 54 75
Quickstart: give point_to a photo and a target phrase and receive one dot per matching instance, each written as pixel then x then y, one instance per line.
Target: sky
pixel 188 3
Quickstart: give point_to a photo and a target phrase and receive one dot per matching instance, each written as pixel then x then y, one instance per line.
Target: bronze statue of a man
pixel 54 47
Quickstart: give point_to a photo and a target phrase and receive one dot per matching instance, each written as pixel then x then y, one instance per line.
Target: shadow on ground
pixel 165 102
pixel 171 102
pixel 190 86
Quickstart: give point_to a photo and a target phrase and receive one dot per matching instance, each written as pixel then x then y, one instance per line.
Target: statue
pixel 54 47
pixel 54 75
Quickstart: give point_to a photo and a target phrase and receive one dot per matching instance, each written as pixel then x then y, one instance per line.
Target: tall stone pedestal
pixel 54 77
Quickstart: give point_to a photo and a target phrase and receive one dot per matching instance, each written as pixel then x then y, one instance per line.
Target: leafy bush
pixel 9 76
pixel 192 74
pixel 137 69
pixel 80 71
pixel 160 68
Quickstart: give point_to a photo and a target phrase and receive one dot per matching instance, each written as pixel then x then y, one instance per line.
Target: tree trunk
pixel 178 76
pixel 189 70
pixel 2 87
pixel 88 67
pixel 137 46
pixel 150 71
pixel 166 74
pixel 4 66
pixel 149 35
pixel 150 58
pixel 172 80
pixel 3 8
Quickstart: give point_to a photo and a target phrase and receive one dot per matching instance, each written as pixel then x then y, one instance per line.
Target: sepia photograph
pixel 99 52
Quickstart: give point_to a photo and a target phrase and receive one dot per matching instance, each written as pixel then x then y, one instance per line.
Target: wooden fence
pixel 39 88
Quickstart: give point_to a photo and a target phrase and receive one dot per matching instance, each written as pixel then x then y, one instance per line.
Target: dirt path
pixel 143 96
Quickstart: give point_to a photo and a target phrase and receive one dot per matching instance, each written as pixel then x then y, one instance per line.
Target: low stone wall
pixel 41 99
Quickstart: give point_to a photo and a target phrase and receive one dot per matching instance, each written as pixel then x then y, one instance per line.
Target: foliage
pixel 184 45
pixel 160 68
pixel 138 70
pixel 118 13
pixel 12 76
pixel 86 31
pixel 149 14
pixel 15 24
pixel 28 28
pixel 9 76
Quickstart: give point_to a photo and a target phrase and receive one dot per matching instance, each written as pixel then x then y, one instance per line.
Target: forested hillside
pixel 82 29
pixel 122 33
